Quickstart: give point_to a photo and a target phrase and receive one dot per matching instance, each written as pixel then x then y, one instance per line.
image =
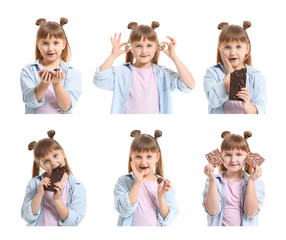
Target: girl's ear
pixel 63 152
pixel 64 43
pixel 158 156
pixel 247 48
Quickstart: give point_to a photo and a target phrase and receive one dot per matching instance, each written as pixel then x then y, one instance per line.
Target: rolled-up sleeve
pixel 105 79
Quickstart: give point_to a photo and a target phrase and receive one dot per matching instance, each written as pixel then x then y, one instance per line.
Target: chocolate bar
pixel 159 180
pixel 254 159
pixel 237 81
pixel 214 158
pixel 56 176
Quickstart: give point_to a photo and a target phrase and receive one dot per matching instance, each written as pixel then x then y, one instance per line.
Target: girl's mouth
pixel 144 168
pixel 232 59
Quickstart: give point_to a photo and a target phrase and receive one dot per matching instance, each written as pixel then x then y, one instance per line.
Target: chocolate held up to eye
pixel 159 180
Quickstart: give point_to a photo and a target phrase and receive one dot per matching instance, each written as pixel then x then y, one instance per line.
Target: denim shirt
pixel 76 202
pixel 119 79
pixel 127 212
pixel 217 95
pixel 217 219
pixel 30 80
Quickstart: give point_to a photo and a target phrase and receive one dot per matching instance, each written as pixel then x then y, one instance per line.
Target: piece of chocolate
pixel 159 180
pixel 254 159
pixel 56 176
pixel 128 46
pixel 214 158
pixel 56 70
pixel 237 81
pixel 162 46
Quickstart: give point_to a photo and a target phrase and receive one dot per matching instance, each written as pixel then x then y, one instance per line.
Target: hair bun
pixel 247 134
pixel 135 133
pixel 246 24
pixel 40 21
pixel 225 134
pixel 157 134
pixel 222 25
pixel 155 25
pixel 51 134
pixel 31 145
pixel 132 25
pixel 63 21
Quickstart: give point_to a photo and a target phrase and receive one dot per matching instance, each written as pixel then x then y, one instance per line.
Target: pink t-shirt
pixel 233 107
pixel 50 105
pixel 148 205
pixel 143 96
pixel 50 215
pixel 232 212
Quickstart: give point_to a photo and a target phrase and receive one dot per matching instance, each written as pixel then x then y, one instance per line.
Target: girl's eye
pixel 238 46
pixel 44 43
pixel 227 47
pixel 150 45
pixel 138 157
pixel 46 161
pixel 138 46
pixel 55 155
pixel 149 156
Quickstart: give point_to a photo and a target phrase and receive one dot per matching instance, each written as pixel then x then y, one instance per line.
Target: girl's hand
pixel 116 46
pixel 162 190
pixel 59 191
pixel 58 77
pixel 46 182
pixel 257 173
pixel 171 48
pixel 209 171
pixel 229 69
pixel 46 77
pixel 245 95
pixel 137 175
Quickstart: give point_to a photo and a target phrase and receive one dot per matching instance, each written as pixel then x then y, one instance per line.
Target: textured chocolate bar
pixel 254 159
pixel 214 158
pixel 159 180
pixel 237 81
pixel 56 176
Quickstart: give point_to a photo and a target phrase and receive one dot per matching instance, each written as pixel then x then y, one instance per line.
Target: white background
pixel 97 143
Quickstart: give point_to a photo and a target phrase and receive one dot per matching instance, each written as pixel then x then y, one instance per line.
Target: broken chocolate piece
pixel 128 46
pixel 162 46
pixel 237 81
pixel 56 70
pixel 254 159
pixel 56 176
pixel 159 180
pixel 214 158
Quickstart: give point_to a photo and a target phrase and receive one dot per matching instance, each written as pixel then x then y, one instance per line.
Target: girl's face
pixel 145 161
pixel 235 53
pixel 53 160
pixel 144 52
pixel 51 49
pixel 233 160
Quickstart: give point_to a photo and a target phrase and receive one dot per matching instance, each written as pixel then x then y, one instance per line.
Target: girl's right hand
pixel 137 175
pixel 116 46
pixel 46 77
pixel 209 171
pixel 229 69
pixel 46 182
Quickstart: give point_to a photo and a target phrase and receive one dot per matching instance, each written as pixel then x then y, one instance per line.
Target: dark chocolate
pixel 56 176
pixel 159 180
pixel 214 158
pixel 237 81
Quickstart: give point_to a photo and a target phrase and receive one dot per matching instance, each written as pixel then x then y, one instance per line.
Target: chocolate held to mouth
pixel 56 176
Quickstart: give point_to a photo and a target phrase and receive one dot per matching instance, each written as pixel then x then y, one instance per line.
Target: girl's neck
pixel 234 176
pixel 150 177
pixel 143 65
pixel 51 65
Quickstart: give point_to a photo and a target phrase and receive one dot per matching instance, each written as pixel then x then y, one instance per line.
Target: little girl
pixel 235 196
pixel 138 197
pixel 64 207
pixel 234 53
pixel 50 85
pixel 143 86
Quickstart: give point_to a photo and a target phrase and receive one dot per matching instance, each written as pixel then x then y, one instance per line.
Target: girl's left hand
pixel 59 191
pixel 162 190
pixel 245 95
pixel 171 48
pixel 257 173
pixel 58 77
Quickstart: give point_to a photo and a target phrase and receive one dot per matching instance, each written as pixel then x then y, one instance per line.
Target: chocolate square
pixel 159 180
pixel 254 159
pixel 214 158
pixel 56 176
pixel 237 81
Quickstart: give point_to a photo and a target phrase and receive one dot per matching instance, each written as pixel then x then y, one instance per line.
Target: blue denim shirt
pixel 30 80
pixel 217 219
pixel 127 212
pixel 119 79
pixel 76 202
pixel 217 96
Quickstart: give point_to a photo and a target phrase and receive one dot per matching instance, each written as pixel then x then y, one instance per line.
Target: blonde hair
pixel 42 148
pixel 235 141
pixel 52 29
pixel 143 31
pixel 146 143
pixel 234 33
